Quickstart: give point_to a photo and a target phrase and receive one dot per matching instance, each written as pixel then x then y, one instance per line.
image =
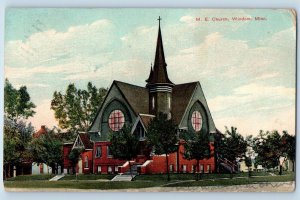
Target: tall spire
pixel 159 73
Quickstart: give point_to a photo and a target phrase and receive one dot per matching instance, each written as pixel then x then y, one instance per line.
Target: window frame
pixel 116 120
pixel 97 154
pixel 196 120
pixel 86 162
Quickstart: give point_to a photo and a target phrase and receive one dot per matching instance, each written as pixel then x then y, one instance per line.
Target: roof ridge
pixel 116 81
pixel 188 83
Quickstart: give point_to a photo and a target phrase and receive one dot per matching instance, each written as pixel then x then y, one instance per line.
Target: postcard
pixel 191 100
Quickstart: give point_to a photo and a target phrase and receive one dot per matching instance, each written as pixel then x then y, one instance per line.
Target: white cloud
pixel 124 70
pixel 254 95
pixel 33 85
pixel 50 46
pixel 280 120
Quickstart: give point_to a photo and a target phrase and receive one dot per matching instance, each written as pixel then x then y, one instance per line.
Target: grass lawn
pixel 32 177
pixel 88 177
pixel 163 177
pixel 82 184
pixel 144 181
pixel 234 181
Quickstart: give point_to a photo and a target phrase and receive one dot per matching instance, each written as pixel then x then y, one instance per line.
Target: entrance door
pixel 80 166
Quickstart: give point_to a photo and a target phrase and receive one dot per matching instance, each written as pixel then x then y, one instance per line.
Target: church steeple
pixel 159 73
pixel 159 85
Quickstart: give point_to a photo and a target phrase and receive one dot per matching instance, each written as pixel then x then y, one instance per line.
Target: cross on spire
pixel 159 74
pixel 159 19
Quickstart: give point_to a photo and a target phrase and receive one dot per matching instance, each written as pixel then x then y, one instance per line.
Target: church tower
pixel 159 85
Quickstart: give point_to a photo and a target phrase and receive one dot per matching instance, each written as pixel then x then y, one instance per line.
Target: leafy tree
pixel 17 102
pixel 124 145
pixel 197 146
pixel 47 149
pixel 162 137
pixel 74 157
pixel 248 162
pixel 289 142
pixel 76 110
pixel 17 135
pixel 233 145
pixel 271 145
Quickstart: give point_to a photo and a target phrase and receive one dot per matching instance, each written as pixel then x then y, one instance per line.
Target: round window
pixel 196 121
pixel 116 120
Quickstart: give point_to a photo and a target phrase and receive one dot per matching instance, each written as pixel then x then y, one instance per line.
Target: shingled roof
pixel 86 141
pixel 136 96
pixel 181 96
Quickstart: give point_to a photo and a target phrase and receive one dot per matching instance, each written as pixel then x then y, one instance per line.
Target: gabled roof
pixel 136 96
pixel 84 140
pixel 181 96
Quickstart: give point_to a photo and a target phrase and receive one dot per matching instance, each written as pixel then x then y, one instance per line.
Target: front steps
pixel 126 176
pixel 123 177
pixel 57 177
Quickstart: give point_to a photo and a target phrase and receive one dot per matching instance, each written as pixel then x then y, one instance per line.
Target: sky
pixel 246 68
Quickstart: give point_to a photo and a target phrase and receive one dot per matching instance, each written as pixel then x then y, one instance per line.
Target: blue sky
pixel 246 68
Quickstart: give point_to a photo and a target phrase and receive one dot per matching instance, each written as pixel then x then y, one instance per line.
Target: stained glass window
pixel 116 120
pixel 196 121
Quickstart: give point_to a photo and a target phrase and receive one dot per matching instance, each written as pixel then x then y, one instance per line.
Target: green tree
pixel 48 149
pixel 271 145
pixel 124 145
pixel 17 102
pixel 162 137
pixel 233 145
pixel 289 142
pixel 248 162
pixel 76 110
pixel 197 146
pixel 17 135
pixel 74 157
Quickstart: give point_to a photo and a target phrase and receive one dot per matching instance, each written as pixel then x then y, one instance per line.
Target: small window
pixel 108 152
pixel 109 169
pixel 153 102
pixel 98 152
pixel 99 169
pixel 193 168
pixel 116 169
pixel 171 168
pixel 208 168
pixel 141 132
pixel 201 168
pixel 183 168
pixel 169 102
pixel 86 162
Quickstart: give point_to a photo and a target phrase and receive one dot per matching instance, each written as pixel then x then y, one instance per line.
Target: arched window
pixel 98 152
pixel 86 162
pixel 116 120
pixel 153 102
pixel 196 121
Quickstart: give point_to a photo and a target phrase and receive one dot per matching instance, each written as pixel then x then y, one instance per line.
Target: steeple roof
pixel 159 73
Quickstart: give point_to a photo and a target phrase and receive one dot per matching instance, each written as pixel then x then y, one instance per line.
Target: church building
pixel 126 103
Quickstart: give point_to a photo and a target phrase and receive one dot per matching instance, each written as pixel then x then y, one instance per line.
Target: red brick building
pixel 137 105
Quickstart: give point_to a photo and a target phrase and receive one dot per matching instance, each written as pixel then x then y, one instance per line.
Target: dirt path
pixel 262 187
